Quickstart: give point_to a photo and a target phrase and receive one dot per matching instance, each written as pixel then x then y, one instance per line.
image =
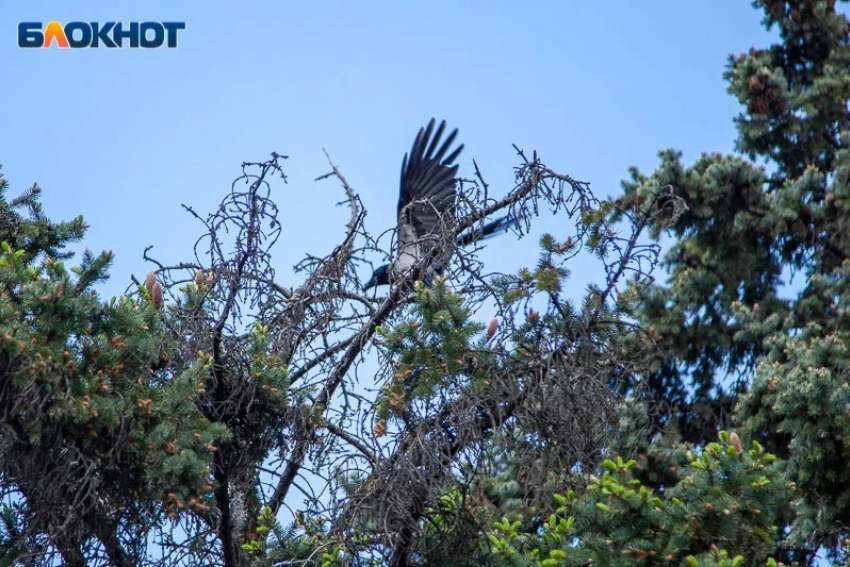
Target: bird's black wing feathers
pixel 426 207
pixel 427 175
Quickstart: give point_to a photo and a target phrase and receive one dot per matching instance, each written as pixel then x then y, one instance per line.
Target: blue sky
pixel 123 137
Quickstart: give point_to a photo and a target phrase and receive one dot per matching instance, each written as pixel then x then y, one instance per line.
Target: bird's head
pixel 381 276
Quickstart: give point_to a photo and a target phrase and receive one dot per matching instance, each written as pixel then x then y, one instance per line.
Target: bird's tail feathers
pixel 492 228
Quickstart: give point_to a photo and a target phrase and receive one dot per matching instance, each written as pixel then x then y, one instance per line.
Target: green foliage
pixel 32 231
pixel 255 547
pixel 120 414
pixel 800 403
pixel 721 510
pixel 722 317
pixel 92 364
pixel 433 349
pixel 91 393
pixel 744 226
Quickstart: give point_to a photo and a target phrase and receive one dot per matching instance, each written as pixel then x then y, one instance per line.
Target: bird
pixel 426 207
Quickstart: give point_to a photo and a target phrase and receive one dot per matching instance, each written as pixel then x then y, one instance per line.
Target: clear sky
pixel 125 136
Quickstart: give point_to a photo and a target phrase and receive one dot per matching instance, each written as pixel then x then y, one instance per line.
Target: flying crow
pixel 426 207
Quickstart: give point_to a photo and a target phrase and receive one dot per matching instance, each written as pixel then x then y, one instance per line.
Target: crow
pixel 426 207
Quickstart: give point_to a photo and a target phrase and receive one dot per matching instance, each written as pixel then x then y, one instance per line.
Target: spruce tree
pixel 99 438
pixel 733 333
pixel 698 420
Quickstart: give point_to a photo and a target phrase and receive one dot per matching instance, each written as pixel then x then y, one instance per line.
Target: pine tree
pixel 98 437
pixel 702 420
pixel 729 330
pixel 747 225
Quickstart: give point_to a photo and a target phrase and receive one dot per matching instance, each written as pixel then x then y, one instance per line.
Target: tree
pixel 726 324
pixel 218 386
pixel 99 437
pixel 702 420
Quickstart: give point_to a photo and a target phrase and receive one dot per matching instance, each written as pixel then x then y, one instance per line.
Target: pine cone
pixel 156 295
pixel 151 279
pixel 492 328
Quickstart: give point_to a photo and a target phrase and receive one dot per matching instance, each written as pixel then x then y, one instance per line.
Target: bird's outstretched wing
pixel 428 190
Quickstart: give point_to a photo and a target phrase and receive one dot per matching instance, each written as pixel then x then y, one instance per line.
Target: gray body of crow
pixel 427 208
